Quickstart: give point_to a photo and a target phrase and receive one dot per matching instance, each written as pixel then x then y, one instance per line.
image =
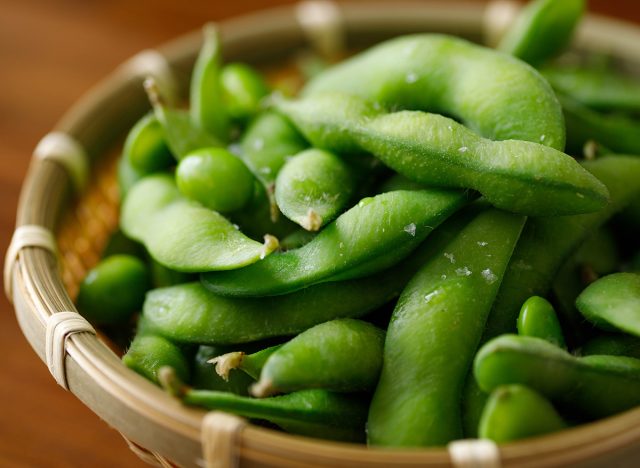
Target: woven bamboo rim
pixel 157 426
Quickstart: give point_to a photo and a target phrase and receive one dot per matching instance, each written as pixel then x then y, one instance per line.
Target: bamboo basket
pixel 41 279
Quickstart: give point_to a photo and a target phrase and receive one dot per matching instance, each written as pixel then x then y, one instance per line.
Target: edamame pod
pixel 147 353
pixel 390 224
pixel 191 314
pixel 542 29
pixel 619 133
pixel 596 88
pixel 544 246
pixel 145 147
pixel 208 111
pixel 516 412
pixel 434 332
pixel 313 187
pixel 216 179
pixel 265 146
pixel 493 94
pixel 183 235
pixel 113 290
pixel 343 355
pixel 592 386
pixel 614 345
pixel 316 413
pixel 243 89
pixel 514 175
pixel 613 303
pixel 180 133
pixel 538 319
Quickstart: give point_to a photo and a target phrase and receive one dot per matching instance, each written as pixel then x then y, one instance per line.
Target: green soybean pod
pixel 147 353
pixel 545 244
pixel 613 303
pixel 613 345
pixel 542 29
pixel 538 319
pixel 113 290
pixel 265 146
pixel 145 147
pixel 597 89
pixel 615 131
pixel 216 179
pixel 315 413
pixel 313 187
pixel 433 334
pixel 343 355
pixel 518 176
pixel 127 176
pixel 183 235
pixel 516 412
pixel 189 313
pixel 493 94
pixel 591 386
pixel 181 134
pixel 208 111
pixel 243 89
pixel 394 220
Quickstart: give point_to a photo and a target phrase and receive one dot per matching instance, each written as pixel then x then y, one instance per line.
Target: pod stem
pixel 171 383
pixel 262 388
pixel 227 362
pixel 311 222
pixel 271 243
pixel 155 97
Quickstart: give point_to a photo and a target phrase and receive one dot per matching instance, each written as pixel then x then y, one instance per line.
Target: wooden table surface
pixel 51 52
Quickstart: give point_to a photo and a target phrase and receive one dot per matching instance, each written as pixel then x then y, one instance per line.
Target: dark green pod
pixel 145 147
pixel 147 353
pixel 538 319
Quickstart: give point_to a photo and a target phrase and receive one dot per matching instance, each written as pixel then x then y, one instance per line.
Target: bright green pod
pixel 542 30
pixel 538 319
pixel 208 111
pixel 313 187
pixel 545 245
pixel 591 386
pixel 596 88
pixel 147 353
pixel 343 355
pixel 183 235
pixel 493 94
pixel 265 146
pixel 315 413
pixel 515 412
pixel 243 89
pixel 389 225
pixel 433 334
pixel 613 345
pixel 216 179
pixel 514 175
pixel 113 290
pixel 181 134
pixel 613 303
pixel 145 147
pixel 190 313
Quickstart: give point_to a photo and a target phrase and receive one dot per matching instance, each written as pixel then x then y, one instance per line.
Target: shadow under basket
pixel 43 270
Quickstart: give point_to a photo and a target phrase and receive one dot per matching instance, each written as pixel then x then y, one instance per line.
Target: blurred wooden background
pixel 51 52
